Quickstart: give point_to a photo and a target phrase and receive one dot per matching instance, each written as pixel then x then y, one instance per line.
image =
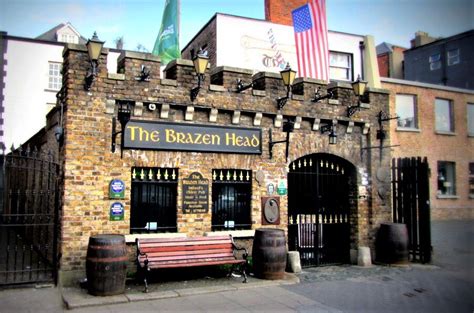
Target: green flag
pixel 167 42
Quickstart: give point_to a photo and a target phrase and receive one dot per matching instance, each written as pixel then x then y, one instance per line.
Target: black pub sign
pixel 192 137
pixel 195 194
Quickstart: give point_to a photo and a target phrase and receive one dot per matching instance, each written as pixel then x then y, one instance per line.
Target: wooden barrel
pixel 106 265
pixel 392 243
pixel 269 253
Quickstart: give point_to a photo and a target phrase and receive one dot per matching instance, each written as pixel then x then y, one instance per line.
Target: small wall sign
pixel 195 194
pixel 116 189
pixel 281 188
pixel 270 189
pixel 116 211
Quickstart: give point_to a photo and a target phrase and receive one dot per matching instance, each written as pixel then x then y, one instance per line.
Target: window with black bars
pixel 154 196
pixel 231 199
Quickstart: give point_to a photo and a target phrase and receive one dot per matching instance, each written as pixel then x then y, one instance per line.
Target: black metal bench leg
pixel 242 269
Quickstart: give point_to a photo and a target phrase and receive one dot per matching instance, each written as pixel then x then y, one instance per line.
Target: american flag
pixel 311 37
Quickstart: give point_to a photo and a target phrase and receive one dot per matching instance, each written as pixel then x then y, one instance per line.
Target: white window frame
pixel 55 77
pixel 453 57
pixel 404 100
pixel 446 186
pixel 442 119
pixel 435 61
pixel 347 67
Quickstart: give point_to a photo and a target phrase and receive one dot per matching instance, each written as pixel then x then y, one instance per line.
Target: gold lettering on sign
pixel 232 139
pixel 173 136
pixel 143 134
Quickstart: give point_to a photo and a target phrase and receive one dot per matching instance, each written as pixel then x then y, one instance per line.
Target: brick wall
pixel 458 147
pixel 89 165
pixel 279 11
pixel 204 38
pixel 383 60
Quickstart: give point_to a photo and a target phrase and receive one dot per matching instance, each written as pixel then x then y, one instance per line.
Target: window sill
pixel 131 238
pixel 470 135
pixel 234 233
pixel 447 197
pixel 406 129
pixel 52 90
pixel 439 132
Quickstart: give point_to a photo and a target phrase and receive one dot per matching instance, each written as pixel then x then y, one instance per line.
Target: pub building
pixel 199 154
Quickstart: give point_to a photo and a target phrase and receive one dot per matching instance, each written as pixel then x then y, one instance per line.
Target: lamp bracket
pixel 144 75
pixel 195 90
pixel 271 143
pixel 281 102
pixel 241 87
pixel 318 97
pixel 326 128
pixel 383 117
pixel 351 110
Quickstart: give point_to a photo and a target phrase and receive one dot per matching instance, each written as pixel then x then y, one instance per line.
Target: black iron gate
pixel 411 204
pixel 320 187
pixel 28 218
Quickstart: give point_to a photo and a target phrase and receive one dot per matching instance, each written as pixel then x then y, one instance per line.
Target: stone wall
pixel 89 165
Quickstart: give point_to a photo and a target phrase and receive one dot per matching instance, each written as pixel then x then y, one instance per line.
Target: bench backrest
pixel 185 249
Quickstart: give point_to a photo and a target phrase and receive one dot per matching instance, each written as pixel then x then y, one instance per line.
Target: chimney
pixel 421 38
pixel 279 11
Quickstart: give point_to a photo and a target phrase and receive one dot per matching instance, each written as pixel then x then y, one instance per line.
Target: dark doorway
pixel 320 187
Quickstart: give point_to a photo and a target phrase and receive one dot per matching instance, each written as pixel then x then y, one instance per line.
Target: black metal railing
pixel 29 217
pixel 411 204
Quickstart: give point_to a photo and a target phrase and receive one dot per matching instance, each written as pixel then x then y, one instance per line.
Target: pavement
pixel 446 285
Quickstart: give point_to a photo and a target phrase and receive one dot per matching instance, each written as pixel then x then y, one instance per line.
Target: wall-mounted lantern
pixel 359 87
pixel 200 65
pixel 332 129
pixel 94 49
pixel 123 115
pixel 288 76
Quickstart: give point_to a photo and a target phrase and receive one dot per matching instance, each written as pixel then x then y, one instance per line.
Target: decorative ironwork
pixel 319 202
pixel 231 199
pixel 154 200
pixel 28 217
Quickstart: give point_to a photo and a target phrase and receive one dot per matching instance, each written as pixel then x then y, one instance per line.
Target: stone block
pixel 293 264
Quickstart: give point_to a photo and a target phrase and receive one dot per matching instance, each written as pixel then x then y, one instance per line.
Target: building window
pixel 435 62
pixel 54 76
pixel 68 38
pixel 470 119
pixel 471 180
pixel 406 111
pixel 453 57
pixel 231 199
pixel 340 66
pixel 153 200
pixel 444 115
pixel 446 178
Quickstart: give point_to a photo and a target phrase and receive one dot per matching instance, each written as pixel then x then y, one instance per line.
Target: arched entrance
pixel 320 189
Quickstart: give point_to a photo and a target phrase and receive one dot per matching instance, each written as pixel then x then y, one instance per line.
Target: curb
pixel 75 298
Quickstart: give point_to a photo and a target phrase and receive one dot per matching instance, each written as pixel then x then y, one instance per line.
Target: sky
pixel 138 21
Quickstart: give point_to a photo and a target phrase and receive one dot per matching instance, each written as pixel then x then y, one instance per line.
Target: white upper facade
pixel 264 46
pixel 32 79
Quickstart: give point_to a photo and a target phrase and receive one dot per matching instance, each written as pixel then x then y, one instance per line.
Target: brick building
pixel 437 122
pixel 237 167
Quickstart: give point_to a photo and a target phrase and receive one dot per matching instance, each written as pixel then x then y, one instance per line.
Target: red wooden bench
pixel 155 253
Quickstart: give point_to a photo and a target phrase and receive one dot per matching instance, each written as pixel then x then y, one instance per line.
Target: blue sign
pixel 116 211
pixel 117 189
